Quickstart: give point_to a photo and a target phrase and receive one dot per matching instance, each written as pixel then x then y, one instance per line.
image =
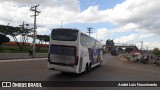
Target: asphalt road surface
pixel 112 69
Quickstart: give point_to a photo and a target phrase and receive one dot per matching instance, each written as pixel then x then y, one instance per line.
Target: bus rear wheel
pixel 88 68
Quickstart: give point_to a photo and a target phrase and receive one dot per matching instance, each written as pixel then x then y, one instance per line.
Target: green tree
pixel 16 31
pixel 156 51
pixel 46 38
pixel 41 38
pixel 3 39
pixel 110 44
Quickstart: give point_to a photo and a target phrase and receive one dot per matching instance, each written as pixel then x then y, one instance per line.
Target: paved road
pixel 113 69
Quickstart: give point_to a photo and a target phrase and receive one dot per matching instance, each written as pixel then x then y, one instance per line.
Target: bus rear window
pixel 63 50
pixel 64 34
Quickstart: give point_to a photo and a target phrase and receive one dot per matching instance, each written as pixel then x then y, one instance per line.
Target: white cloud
pixel 143 36
pixel 10 13
pixel 136 38
pixel 52 11
pixel 101 34
pixel 132 37
pixel 68 4
pixel 43 31
pixel 92 15
pixel 149 45
pixel 142 16
pixel 125 28
pixel 126 39
pixel 143 13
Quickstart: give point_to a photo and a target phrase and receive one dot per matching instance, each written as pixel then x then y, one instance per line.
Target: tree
pixel 110 44
pixel 156 51
pixel 3 39
pixel 41 38
pixel 14 32
pixel 46 38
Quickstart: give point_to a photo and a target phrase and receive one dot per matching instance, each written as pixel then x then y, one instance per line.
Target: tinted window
pixel 87 41
pixel 64 34
pixel 63 50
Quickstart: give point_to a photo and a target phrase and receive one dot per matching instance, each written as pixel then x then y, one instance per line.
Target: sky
pixel 124 21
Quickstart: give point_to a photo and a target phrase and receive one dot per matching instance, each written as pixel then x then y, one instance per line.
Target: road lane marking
pixel 17 60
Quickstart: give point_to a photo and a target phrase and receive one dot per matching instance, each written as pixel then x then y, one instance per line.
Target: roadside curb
pixel 14 60
pixel 8 56
pixel 122 58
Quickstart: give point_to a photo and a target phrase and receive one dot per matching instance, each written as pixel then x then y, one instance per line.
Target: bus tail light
pixel 76 60
pixel 48 57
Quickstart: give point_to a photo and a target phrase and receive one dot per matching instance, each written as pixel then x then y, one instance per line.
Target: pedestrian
pixel 30 52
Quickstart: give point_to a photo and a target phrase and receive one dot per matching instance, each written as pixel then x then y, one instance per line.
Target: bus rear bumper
pixel 61 68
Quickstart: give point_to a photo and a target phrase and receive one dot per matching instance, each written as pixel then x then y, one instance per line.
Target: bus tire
pixel 100 63
pixel 87 68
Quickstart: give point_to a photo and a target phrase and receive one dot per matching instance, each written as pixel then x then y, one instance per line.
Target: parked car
pixel 145 59
pixel 138 57
pixel 114 52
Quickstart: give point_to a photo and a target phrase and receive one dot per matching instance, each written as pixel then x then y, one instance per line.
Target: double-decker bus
pixel 70 50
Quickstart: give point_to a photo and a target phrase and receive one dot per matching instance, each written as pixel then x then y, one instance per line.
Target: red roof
pixel 134 51
pixel 14 43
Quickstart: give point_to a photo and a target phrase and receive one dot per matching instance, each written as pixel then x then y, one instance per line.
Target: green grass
pixel 16 50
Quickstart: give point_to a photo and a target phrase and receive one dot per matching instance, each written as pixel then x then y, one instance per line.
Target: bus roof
pixel 65 29
pixel 77 30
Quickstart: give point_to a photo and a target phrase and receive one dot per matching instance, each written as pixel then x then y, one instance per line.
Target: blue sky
pixel 124 21
pixel 103 4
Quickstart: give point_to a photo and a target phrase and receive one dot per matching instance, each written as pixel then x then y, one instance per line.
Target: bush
pixel 3 39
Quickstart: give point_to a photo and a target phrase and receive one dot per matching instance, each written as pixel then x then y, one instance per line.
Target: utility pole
pixel 141 45
pixel 36 13
pixel 61 23
pixel 22 27
pixel 147 49
pixel 89 30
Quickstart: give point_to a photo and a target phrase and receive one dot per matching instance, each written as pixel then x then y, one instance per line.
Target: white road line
pixel 17 60
pixel 121 58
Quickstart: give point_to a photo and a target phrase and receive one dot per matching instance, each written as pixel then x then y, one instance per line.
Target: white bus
pixel 73 51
